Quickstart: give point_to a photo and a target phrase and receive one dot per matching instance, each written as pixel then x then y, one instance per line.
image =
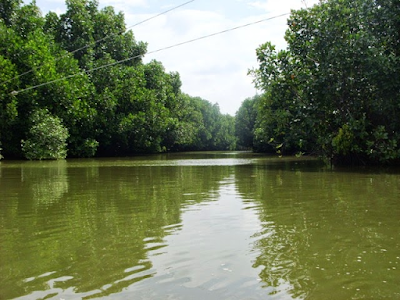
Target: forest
pixel 95 105
pixel 334 92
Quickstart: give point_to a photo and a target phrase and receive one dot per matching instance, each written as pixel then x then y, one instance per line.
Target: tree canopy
pixel 335 90
pixel 79 78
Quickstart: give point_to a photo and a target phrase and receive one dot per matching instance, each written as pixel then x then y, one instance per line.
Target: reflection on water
pixel 197 225
pixel 326 233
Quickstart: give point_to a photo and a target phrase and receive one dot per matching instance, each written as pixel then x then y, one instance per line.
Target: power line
pixel 220 32
pixel 100 40
pixel 144 21
pixel 151 52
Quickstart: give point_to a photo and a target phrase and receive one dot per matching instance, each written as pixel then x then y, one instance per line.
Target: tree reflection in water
pixel 93 228
pixel 87 228
pixel 326 234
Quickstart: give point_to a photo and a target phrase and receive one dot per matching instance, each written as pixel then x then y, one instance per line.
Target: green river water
pixel 213 225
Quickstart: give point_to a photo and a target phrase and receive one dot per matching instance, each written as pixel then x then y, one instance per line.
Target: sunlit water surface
pixel 208 225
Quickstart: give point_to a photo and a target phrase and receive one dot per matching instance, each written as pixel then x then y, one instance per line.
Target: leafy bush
pixel 46 138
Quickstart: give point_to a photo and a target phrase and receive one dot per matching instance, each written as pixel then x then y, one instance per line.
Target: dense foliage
pixel 335 90
pixel 245 122
pixel 89 109
pixel 46 137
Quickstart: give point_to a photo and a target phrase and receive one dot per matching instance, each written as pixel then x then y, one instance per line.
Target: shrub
pixel 46 138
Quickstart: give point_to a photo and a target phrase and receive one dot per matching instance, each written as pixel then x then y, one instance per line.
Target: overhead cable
pixel 100 40
pixel 151 52
pixel 141 22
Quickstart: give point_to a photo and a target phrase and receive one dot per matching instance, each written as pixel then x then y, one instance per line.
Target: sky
pixel 215 68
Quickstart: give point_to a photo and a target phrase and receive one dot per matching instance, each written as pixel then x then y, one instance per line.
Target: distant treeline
pixel 122 109
pixel 335 90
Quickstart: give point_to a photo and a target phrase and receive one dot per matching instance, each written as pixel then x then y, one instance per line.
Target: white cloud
pixel 283 6
pixel 202 63
pixel 214 68
pixel 140 3
pixel 124 4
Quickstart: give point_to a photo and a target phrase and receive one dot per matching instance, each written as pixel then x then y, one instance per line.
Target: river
pixel 206 225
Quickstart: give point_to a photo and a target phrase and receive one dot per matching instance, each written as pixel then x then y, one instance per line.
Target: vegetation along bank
pixel 334 91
